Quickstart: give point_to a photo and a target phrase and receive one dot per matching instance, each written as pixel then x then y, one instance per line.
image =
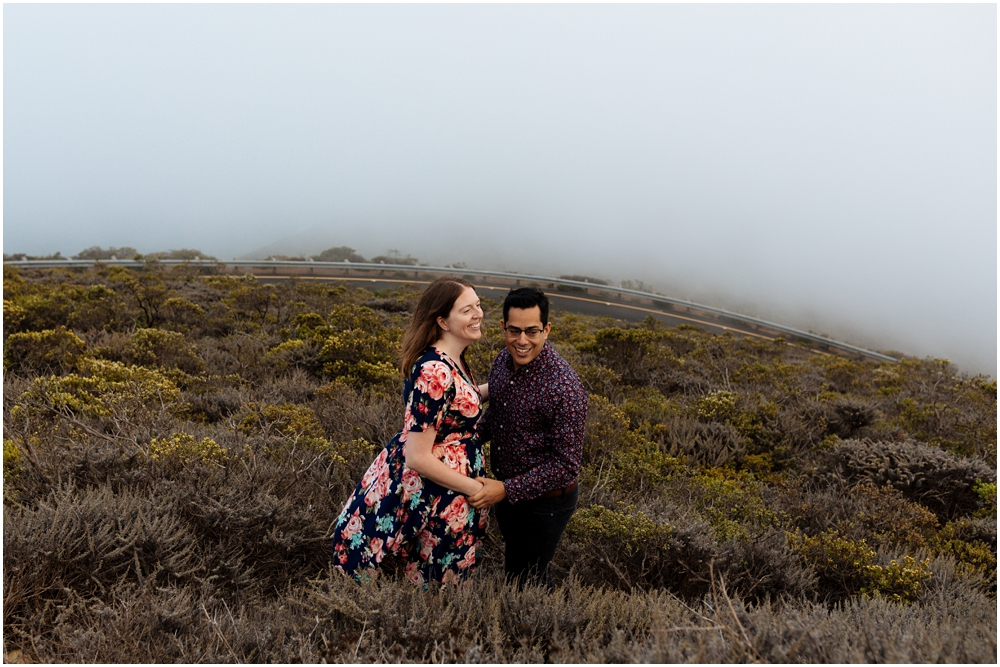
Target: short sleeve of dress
pixel 433 388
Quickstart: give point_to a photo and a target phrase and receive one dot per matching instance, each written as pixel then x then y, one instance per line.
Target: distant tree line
pixel 336 254
pixel 346 254
pixel 98 253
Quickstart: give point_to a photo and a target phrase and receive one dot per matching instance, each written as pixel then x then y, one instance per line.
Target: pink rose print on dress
pixel 375 469
pixel 456 514
pixel 454 457
pixel 452 453
pixel 354 524
pixel 466 399
pixel 408 422
pixel 413 575
pixel 435 378
pixel 410 484
pixel 392 544
pixel 376 546
pixel 469 559
pixel 379 487
pixel 427 541
pixel 451 577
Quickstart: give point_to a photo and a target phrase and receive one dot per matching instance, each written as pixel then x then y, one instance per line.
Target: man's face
pixel 531 335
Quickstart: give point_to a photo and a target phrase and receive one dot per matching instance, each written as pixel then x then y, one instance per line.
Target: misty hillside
pixel 178 443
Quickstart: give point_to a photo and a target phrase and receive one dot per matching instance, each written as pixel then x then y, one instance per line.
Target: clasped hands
pixel 492 492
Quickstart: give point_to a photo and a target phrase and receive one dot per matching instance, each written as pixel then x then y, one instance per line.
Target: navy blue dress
pixel 395 510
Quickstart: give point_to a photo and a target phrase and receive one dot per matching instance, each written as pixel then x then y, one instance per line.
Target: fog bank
pixel 832 167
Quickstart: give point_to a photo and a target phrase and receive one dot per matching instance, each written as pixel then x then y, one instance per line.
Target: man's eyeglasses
pixel 530 332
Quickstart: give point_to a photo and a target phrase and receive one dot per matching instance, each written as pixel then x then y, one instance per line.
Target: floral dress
pixel 395 510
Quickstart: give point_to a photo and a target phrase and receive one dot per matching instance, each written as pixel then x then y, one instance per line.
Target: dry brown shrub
pixel 707 444
pixel 845 416
pixel 332 619
pixel 939 480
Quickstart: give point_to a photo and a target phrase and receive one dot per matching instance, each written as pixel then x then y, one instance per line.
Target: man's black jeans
pixel 531 530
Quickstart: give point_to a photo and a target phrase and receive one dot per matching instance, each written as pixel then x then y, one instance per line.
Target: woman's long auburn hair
pixel 436 301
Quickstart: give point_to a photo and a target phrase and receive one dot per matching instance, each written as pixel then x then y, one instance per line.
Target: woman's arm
pixel 418 453
pixel 484 391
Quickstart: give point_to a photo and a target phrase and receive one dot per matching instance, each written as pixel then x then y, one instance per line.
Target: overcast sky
pixel 832 167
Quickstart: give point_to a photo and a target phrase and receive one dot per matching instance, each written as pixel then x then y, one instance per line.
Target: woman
pixel 412 500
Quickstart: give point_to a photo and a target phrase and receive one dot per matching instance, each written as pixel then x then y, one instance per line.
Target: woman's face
pixel 465 317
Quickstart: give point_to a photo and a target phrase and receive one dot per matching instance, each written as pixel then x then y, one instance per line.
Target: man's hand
pixel 492 493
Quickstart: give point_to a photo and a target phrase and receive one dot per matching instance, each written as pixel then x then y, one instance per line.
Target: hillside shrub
pixel 100 389
pixel 845 416
pixel 973 544
pixel 732 504
pixel 939 480
pixel 296 353
pixel 844 565
pixel 157 347
pixel 11 460
pixel 625 548
pixel 633 354
pixel 182 448
pixel 145 291
pixel 182 314
pixel 704 443
pixel 48 351
pixel 286 426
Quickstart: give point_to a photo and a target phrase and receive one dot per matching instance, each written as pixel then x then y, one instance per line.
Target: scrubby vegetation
pixel 177 445
pixel 98 253
pixel 346 254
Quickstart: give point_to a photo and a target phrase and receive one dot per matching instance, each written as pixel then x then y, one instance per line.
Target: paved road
pixel 582 305
pixel 587 298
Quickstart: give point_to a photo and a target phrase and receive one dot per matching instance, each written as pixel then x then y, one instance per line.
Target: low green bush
pixel 157 347
pixel 100 389
pixel 182 448
pixel 49 351
pixel 849 566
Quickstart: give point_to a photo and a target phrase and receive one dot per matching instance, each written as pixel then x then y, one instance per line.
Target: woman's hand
pixel 484 391
pixel 418 455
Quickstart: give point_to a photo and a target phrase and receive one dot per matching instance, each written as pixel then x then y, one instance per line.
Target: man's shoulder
pixel 560 365
pixel 500 361
pixel 501 357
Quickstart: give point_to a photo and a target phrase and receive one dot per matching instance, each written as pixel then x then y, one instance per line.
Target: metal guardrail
pixel 417 269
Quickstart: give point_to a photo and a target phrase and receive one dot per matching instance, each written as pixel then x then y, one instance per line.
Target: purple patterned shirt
pixel 535 421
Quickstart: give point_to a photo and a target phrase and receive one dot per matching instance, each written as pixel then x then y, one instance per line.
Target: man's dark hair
pixel 525 298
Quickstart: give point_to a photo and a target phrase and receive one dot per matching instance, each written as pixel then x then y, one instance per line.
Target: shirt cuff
pixel 515 490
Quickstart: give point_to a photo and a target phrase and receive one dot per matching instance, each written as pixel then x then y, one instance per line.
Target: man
pixel 535 421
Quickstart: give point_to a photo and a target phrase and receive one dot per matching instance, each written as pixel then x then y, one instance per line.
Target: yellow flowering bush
pixel 628 529
pixel 11 460
pixel 100 389
pixel 849 566
pixel 51 350
pixel 182 448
